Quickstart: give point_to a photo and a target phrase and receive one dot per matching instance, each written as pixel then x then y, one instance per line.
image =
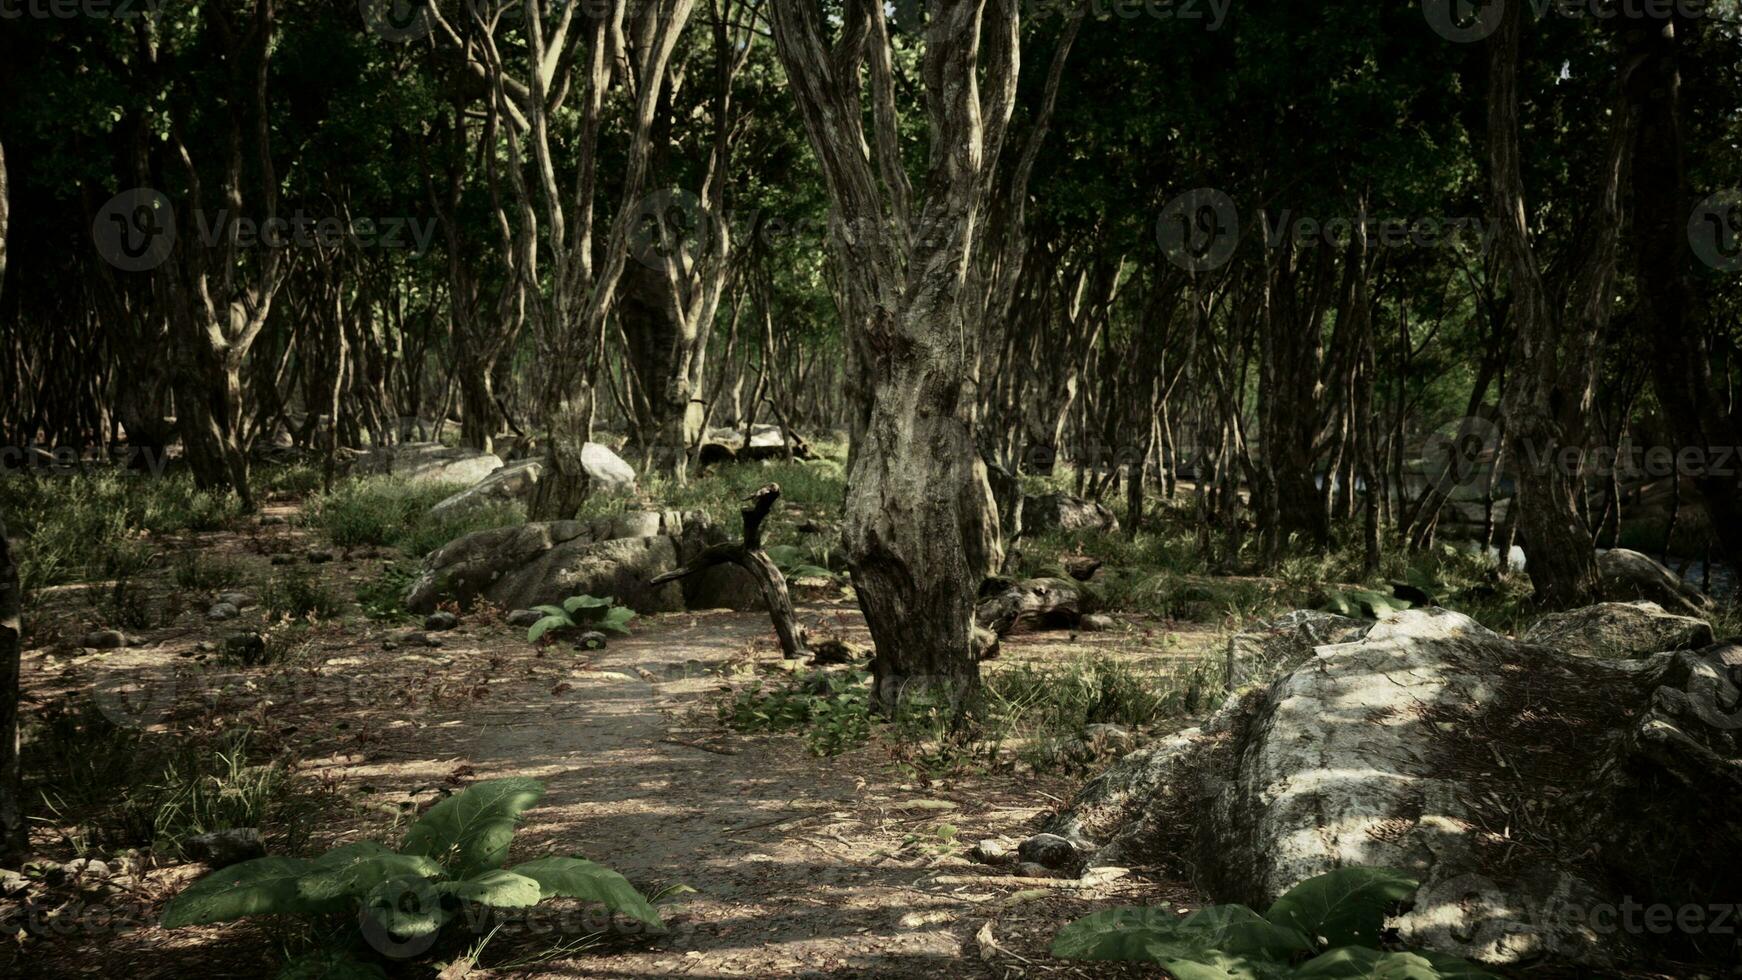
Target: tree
pixel 922 528
pixel 1556 331
pixel 13 835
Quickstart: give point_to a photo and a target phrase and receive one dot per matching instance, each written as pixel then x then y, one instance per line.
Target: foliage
pixel 298 594
pixel 450 859
pixel 383 597
pixel 203 572
pixel 391 511
pixel 1331 925
pixel 831 708
pixel 795 562
pixel 582 612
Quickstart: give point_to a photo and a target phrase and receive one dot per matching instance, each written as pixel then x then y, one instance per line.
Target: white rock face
pixel 1619 629
pixel 1494 771
pixel 510 483
pixel 606 468
pixel 429 462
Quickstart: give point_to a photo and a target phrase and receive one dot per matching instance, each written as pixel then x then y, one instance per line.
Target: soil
pixel 800 866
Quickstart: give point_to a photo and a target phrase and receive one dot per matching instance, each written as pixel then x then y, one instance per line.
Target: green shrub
pixel 297 594
pixel 1330 926
pixel 831 708
pixel 582 612
pixel 390 511
pixel 383 597
pixel 195 570
pixel 450 860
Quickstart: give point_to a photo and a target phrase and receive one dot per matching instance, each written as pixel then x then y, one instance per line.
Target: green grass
pixel 97 524
pixel 382 597
pixel 194 570
pixel 383 511
pixel 298 594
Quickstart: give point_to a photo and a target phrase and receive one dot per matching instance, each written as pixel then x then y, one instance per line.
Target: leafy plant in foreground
pixel 400 900
pixel 582 612
pixel 1328 927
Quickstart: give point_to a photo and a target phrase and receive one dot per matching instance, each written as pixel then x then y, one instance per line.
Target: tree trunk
pixel 14 836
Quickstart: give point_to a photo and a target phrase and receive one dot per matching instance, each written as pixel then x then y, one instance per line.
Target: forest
pixel 1214 489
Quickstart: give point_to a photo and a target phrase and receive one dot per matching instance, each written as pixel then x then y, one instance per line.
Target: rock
pixel 222 848
pixel 591 640
pixel 249 648
pixel 1081 567
pixel 523 617
pixel 440 620
pixel 319 557
pixel 428 462
pixel 1050 851
pixel 723 587
pixel 1261 652
pixel 1626 575
pixel 89 869
pixel 221 611
pixel 606 469
pixel 104 640
pixel 418 639
pixel 1108 739
pixel 1096 623
pixel 1063 512
pixel 1619 629
pixel 546 562
pixel 512 483
pixel 1032 869
pixel 241 600
pixel 1409 746
pixel 993 850
pixel 1036 603
pixel 833 651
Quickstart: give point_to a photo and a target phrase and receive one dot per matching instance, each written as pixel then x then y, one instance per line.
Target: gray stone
pixel 1625 575
pixel 1032 869
pixel 1619 629
pixel 606 469
pixel 993 850
pixel 241 600
pixel 420 639
pixel 440 620
pixel 428 462
pixel 523 617
pixel 1050 851
pixel 221 611
pixel 1063 512
pixel 222 848
pixel 104 639
pixel 546 562
pixel 1263 651
pixel 511 484
pixel 1096 623
pixel 249 648
pixel 1402 747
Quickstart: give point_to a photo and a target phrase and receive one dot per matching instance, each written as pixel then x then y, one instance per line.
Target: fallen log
pixel 748 555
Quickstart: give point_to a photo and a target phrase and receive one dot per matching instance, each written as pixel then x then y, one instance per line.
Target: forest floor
pixel 800 865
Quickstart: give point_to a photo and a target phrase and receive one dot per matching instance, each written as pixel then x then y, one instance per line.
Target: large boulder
pixel 546 562
pixel 431 462
pixel 1063 512
pixel 606 469
pixel 1264 651
pixel 1625 575
pixel 1535 794
pixel 511 483
pixel 1619 629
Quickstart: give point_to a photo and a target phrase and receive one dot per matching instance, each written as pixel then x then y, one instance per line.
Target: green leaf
pixel 407 906
pixel 545 625
pixel 1239 930
pixel 263 886
pixel 330 964
pixel 552 611
pixel 617 620
pixel 577 602
pixel 1356 963
pixel 1345 907
pixel 809 571
pixel 1117 934
pixel 470 831
pixel 335 880
pixel 567 877
pixel 495 888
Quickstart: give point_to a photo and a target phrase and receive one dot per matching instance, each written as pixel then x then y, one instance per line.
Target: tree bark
pixel 14 836
pixel 749 555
